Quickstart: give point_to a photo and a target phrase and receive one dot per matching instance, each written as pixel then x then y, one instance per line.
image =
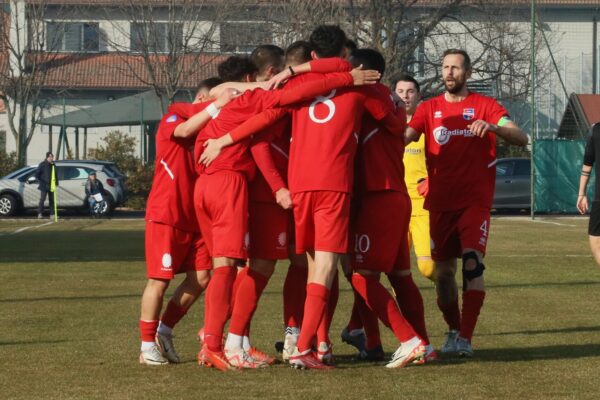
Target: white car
pixel 19 189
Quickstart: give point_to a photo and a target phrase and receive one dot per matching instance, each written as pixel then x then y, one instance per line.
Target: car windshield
pixel 18 172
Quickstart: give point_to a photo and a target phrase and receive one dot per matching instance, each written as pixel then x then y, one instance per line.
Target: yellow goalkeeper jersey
pixel 414 166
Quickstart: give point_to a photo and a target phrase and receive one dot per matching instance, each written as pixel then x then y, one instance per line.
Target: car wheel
pixel 8 205
pixel 107 205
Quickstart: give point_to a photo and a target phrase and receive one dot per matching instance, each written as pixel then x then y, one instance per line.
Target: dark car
pixel 513 184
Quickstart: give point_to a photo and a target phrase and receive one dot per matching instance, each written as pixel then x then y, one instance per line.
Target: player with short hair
pixel 591 154
pixel 460 129
pixel 269 199
pixel 409 91
pixel 380 232
pixel 173 241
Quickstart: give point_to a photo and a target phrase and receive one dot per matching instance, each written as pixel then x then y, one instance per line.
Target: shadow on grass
pixel 575 329
pixel 554 352
pixel 75 298
pixel 46 246
pixel 34 342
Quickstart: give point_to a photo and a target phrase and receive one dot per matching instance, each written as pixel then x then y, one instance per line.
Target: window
pixel 504 169
pixel 66 173
pixel 72 36
pixel 157 37
pixel 523 168
pixel 416 61
pixel 243 37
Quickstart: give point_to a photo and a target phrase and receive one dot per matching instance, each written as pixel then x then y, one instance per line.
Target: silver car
pixel 19 189
pixel 513 184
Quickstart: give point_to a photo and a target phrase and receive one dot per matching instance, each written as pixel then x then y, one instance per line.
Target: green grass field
pixel 69 304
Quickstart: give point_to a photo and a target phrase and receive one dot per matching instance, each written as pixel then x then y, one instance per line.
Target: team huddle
pixel 301 154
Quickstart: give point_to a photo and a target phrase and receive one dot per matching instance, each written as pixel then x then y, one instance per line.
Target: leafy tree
pixel 8 163
pixel 120 148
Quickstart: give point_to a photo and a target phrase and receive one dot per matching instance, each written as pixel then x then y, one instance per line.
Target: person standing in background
pixel 592 152
pixel 44 178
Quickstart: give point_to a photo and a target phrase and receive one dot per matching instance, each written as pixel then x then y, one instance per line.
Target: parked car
pixel 513 184
pixel 19 189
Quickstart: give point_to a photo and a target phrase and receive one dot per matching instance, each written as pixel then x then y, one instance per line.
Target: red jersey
pixel 171 199
pixel 380 163
pixel 325 136
pixel 235 157
pixel 277 140
pixel 461 166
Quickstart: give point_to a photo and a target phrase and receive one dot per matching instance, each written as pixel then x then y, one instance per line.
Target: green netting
pixel 557 170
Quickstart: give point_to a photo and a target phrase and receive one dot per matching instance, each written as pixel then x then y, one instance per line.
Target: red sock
pixel 173 314
pixel 236 284
pixel 294 295
pixel 472 303
pixel 451 314
pixel 246 301
pixel 325 324
pixel 383 305
pixel 370 323
pixel 148 330
pixel 314 308
pixel 411 303
pixel 355 320
pixel 218 295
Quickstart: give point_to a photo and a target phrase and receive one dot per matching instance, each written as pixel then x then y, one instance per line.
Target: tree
pixel 25 54
pixel 166 45
pixel 120 148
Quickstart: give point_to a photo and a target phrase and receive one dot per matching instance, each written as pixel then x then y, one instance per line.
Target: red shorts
pixel 221 202
pixel 454 231
pixel 268 225
pixel 321 219
pixel 381 232
pixel 170 251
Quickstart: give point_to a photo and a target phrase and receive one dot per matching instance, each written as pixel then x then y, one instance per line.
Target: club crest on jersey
pixel 437 114
pixel 468 114
pixel 172 118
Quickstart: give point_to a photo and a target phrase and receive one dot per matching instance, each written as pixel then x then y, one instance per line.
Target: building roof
pixel 130 110
pixel 119 71
pixel 583 110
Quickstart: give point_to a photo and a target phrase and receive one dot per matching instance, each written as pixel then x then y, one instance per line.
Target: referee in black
pixel 591 155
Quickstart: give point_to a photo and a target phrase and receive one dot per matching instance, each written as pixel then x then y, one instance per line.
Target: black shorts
pixel 594 227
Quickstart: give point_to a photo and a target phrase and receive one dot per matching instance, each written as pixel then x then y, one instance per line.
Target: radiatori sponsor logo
pixel 442 135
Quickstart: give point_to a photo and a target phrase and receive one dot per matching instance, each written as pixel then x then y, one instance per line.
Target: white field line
pixel 551 222
pixel 539 221
pixel 25 228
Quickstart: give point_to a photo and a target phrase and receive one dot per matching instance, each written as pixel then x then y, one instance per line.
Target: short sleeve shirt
pixel 461 166
pixel 171 200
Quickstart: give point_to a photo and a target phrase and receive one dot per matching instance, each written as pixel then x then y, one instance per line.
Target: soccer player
pixel 592 153
pixel 321 176
pixel 221 206
pixel 294 293
pixel 409 91
pixel 460 129
pixel 173 242
pixel 268 200
pixel 381 229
